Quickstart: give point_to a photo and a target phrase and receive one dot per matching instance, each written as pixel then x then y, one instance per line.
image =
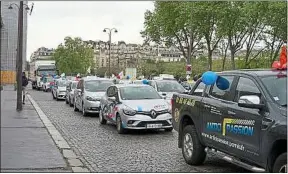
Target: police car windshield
pixel 139 93
pixel 170 86
pixel 97 85
pixel 277 87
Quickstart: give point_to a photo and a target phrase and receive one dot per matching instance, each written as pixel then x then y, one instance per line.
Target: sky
pixel 51 22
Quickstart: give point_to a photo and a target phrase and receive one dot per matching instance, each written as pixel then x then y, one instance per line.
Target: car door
pixel 111 114
pixel 243 125
pixel 68 89
pixel 56 88
pixel 214 111
pixel 77 94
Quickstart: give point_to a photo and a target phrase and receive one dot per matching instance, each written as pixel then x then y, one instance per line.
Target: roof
pixel 255 72
pixel 129 85
pixel 88 78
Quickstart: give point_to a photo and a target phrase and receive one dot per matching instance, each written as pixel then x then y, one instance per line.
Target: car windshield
pixel 97 85
pixel 170 86
pixel 139 93
pixel 74 85
pixel 45 72
pixel 277 87
pixel 62 83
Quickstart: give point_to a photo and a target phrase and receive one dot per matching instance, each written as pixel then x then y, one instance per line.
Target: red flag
pixel 283 56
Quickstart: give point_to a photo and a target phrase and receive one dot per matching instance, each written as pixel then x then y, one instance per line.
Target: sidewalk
pixel 26 145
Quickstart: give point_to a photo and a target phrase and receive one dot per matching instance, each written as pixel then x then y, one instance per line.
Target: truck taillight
pixel 172 102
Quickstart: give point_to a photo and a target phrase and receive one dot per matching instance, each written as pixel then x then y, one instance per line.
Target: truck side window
pixel 246 86
pixel 199 89
pixel 222 94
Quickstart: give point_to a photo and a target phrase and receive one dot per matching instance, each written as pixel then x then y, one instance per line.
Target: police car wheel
pixel 192 149
pixel 119 125
pixel 101 118
pixel 280 165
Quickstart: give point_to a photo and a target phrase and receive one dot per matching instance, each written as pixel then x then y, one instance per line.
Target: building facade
pixel 42 54
pixel 132 55
pixel 9 38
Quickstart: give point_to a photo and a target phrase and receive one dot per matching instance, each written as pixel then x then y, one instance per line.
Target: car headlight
pixel 128 111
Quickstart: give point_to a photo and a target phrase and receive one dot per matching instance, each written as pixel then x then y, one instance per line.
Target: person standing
pixel 24 84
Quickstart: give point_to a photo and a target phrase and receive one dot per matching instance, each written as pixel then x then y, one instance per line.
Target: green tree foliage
pixel 241 24
pixel 74 56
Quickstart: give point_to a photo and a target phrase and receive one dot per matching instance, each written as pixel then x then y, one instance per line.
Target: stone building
pixel 9 39
pixel 129 55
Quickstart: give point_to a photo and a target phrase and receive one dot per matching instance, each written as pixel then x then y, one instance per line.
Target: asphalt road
pixel 102 149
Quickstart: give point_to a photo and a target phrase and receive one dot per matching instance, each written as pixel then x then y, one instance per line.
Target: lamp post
pixel 19 62
pixel 110 33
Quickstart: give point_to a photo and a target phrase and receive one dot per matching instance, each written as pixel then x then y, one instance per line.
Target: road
pixel 102 149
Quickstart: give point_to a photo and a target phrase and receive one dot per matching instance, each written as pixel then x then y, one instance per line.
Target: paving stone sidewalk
pixel 26 145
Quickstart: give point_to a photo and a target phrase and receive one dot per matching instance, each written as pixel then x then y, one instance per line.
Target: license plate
pixel 154 125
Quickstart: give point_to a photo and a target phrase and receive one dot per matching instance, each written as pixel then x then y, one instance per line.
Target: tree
pixel 207 18
pixel 74 56
pixel 276 28
pixel 255 16
pixel 233 26
pixel 171 23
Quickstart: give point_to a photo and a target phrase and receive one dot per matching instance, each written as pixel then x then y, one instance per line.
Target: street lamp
pixel 110 33
pixel 19 62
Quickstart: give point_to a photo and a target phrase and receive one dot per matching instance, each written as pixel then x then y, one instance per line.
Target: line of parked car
pixel 127 104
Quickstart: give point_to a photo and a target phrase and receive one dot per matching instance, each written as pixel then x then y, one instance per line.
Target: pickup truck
pixel 245 124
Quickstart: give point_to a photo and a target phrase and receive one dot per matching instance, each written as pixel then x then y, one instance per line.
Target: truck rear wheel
pixel 192 149
pixel 280 165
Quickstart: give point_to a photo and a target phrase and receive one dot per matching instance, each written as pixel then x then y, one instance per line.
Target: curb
pixel 72 160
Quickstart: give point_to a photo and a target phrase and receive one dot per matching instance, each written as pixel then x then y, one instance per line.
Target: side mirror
pixel 113 99
pixel 67 88
pixel 186 92
pixel 187 87
pixel 250 101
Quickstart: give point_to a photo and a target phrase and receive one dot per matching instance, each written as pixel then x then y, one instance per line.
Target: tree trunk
pixel 233 60
pixel 232 52
pixel 246 60
pixel 223 63
pixel 210 60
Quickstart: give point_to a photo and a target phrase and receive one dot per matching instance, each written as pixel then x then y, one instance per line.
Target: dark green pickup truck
pixel 246 124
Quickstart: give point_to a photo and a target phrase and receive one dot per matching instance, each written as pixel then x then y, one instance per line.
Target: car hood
pixel 147 105
pixel 95 94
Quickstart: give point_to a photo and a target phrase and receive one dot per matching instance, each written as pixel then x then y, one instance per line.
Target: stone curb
pixel 76 165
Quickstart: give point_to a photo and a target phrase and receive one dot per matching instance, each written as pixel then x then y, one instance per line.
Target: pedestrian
pixel 24 84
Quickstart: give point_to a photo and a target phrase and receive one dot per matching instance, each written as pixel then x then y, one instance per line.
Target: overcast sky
pixel 51 21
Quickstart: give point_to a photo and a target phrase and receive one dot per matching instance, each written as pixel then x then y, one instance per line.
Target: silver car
pixel 135 106
pixel 47 83
pixel 88 93
pixel 59 89
pixel 167 88
pixel 71 86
